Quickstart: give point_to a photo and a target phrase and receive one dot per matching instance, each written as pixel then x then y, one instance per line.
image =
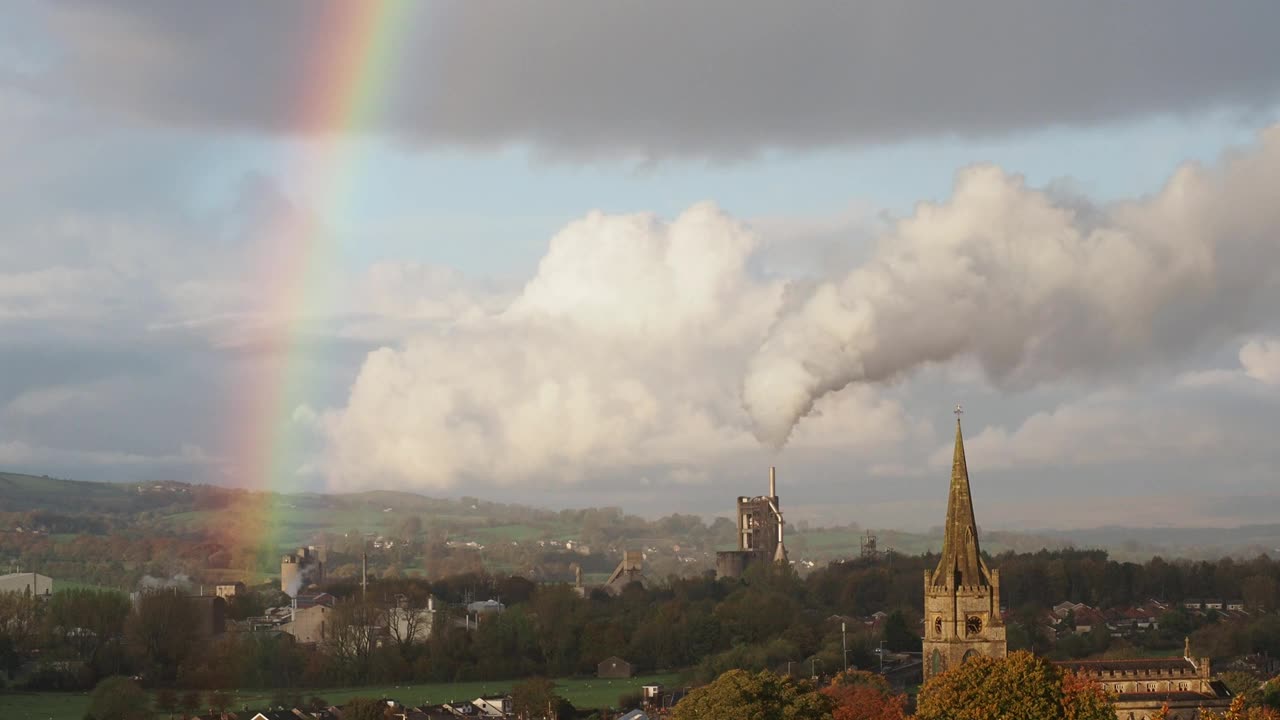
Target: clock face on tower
pixel 973 625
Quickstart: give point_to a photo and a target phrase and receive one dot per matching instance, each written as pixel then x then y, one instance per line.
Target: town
pixel 563 360
pixel 1178 637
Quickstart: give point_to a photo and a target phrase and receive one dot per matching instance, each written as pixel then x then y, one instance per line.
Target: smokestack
pixel 364 576
pixel 773 481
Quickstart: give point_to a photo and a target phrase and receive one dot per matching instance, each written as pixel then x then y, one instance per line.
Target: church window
pixel 973 625
pixel 937 626
pixel 935 663
pixel 969 656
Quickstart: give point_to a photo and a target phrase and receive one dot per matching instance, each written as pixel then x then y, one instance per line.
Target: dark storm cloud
pixel 718 78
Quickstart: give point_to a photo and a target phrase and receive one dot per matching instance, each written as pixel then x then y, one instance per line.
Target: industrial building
pixel 760 533
pixel 28 582
pixel 630 570
pixel 301 569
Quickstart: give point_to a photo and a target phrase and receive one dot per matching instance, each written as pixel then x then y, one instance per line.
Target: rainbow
pixel 351 61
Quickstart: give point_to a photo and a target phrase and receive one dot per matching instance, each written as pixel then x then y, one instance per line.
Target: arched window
pixel 937 626
pixel 935 663
pixel 969 656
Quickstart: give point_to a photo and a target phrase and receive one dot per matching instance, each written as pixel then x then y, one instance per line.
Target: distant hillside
pixel 21 493
pixel 180 509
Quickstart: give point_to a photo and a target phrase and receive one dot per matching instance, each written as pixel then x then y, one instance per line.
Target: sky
pixel 635 254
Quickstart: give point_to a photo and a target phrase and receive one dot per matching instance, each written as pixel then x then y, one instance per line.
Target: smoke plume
pixel 180 581
pixel 1035 287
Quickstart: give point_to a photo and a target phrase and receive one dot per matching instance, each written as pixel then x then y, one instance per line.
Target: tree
pixel 119 698
pixel 162 633
pixel 860 695
pixel 1011 688
pixel 898 635
pixel 1243 684
pixel 1239 710
pixel 739 694
pixel 351 642
pixel 537 698
pixel 361 708
pixel 1260 592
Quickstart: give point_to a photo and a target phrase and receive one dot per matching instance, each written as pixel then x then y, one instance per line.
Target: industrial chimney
pixel 773 482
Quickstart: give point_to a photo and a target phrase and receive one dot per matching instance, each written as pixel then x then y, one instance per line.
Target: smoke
pixel 180 581
pixel 1035 287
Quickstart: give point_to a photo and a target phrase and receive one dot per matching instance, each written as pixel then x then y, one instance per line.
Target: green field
pixel 60 584
pixel 582 692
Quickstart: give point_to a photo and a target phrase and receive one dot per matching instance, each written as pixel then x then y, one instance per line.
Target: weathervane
pixel 958 411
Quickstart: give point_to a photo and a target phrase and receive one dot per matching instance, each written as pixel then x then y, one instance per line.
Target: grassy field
pixel 59 584
pixel 582 692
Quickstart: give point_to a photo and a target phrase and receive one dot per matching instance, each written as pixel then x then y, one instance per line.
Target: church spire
pixel 961 563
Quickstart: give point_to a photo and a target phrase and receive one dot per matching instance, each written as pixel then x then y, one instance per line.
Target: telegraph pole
pixel 844 645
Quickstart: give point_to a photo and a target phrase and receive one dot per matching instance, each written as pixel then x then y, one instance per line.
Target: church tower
pixel 962 597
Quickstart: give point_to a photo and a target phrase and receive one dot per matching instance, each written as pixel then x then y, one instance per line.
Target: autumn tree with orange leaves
pixel 1240 710
pixel 861 695
pixel 1012 688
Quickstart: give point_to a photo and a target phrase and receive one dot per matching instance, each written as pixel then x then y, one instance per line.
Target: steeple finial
pixel 961 562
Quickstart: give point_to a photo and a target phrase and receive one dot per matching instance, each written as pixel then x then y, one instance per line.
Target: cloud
pixel 1260 359
pixel 621 355
pixel 19 453
pixel 717 79
pixel 1105 428
pixel 1035 290
pixel 56 399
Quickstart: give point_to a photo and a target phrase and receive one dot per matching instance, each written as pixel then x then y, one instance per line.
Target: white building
pixel 26 582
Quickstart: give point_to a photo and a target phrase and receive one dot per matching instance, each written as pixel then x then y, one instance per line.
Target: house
pixel 1087 619
pixel 614 667
pixel 494 706
pixel 1061 610
pixel 1213 605
pixel 1193 604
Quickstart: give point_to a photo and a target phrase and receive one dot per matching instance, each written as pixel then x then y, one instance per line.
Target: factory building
pixel 760 533
pixel 301 569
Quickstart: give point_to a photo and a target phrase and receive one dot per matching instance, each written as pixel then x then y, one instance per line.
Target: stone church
pixel 962 596
pixel 963 620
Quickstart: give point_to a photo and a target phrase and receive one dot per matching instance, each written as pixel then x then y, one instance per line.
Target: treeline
pixel 772 618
